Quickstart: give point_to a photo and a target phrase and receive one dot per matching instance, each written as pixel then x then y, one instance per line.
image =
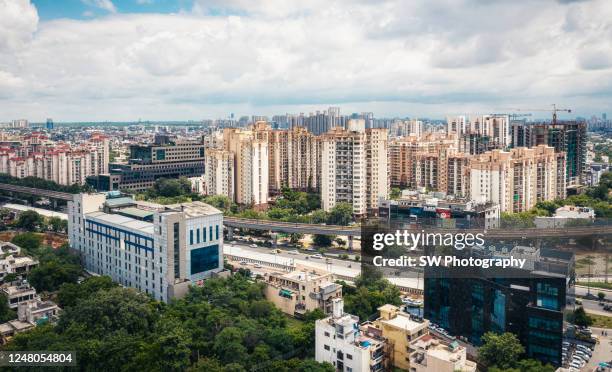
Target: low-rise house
pixel 16 265
pixel 341 342
pixel 18 292
pixel 299 291
pixel 399 329
pixel 29 315
pixel 430 354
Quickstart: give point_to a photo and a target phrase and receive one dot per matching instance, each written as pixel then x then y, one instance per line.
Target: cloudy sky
pixel 191 59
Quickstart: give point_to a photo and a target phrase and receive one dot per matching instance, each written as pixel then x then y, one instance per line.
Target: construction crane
pixel 511 116
pixel 554 110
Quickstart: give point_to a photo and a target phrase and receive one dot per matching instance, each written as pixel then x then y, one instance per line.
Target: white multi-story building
pixel 156 249
pixel 340 342
pixel 354 167
pixel 219 176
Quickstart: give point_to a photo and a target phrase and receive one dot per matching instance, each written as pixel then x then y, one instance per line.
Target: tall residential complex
pixel 565 136
pixel 354 167
pixel 251 168
pixel 156 249
pixel 167 158
pixel 519 178
pixel 430 162
pixel 294 159
pixel 35 155
pixel 219 176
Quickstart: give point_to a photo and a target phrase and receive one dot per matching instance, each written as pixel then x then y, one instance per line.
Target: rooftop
pixel 402 321
pixel 122 221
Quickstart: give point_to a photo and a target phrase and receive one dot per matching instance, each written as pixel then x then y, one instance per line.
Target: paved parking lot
pixel 603 350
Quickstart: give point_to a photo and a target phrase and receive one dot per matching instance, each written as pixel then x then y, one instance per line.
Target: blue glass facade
pixel 204 259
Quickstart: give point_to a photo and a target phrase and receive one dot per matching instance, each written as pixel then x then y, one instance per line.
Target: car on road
pixel 233 242
pixel 253 246
pixel 293 252
pixel 317 255
pixel 257 266
pixel 243 262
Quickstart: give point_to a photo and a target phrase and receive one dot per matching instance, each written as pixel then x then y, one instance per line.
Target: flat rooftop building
pixel 157 249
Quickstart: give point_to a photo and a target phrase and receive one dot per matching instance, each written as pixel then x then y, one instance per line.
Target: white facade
pixel 219 176
pixel 182 245
pixel 354 168
pixel 339 341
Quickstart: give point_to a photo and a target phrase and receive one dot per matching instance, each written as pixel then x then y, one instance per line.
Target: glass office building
pixel 529 303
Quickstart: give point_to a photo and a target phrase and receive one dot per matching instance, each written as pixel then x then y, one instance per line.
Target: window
pixel 191 237
pixel 326 334
pixel 204 259
pixel 326 347
pixel 349 357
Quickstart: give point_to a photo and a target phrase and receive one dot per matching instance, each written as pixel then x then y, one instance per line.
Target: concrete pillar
pixel 350 242
pixel 54 203
pixel 230 233
pixel 274 239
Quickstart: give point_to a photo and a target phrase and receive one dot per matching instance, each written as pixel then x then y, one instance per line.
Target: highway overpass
pixel 36 192
pixel 354 231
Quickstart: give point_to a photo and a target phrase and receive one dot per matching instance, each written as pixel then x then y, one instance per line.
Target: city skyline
pixel 188 60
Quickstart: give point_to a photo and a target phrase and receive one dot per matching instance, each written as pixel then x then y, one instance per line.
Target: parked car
pixel 317 255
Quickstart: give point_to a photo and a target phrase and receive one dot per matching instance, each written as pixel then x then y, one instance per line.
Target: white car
pixel 253 245
pixel 293 252
pixel 243 262
pixel 576 365
pixel 318 255
pixel 257 266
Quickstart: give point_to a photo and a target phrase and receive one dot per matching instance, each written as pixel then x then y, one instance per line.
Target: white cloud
pixel 102 4
pixel 392 57
pixel 19 22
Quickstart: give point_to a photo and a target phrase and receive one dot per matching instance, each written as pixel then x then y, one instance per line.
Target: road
pixel 594 307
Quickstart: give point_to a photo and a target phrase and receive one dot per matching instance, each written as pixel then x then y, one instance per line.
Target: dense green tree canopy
pixel 500 350
pixel 226 325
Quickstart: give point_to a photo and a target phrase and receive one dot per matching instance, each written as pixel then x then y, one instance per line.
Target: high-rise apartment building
pixel 423 162
pixel 66 164
pixel 354 167
pixel 294 159
pixel 565 136
pixel 156 249
pixel 519 178
pixel 219 176
pixel 251 168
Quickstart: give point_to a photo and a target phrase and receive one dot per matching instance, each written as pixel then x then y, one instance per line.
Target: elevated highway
pixel 355 231
pixel 36 192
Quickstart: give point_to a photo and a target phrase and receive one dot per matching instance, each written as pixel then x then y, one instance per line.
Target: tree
pixel 500 350
pixel 341 214
pixel 29 220
pixel 29 242
pixel 318 216
pixel 601 296
pixel 580 318
pixel 57 224
pixel 168 187
pixel 221 202
pixel 395 193
pixel 526 365
pixel 322 240
pixel 6 313
pixel 70 293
